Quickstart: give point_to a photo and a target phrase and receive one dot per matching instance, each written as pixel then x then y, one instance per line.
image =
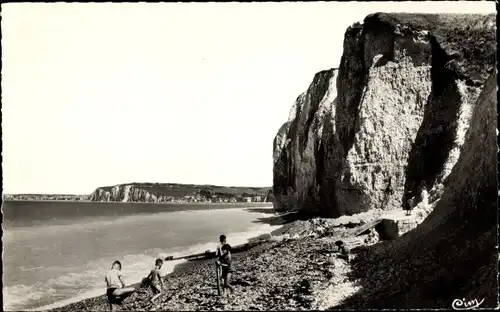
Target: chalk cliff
pixel 466 215
pixel 297 146
pixel 451 255
pixel 173 192
pixel 389 120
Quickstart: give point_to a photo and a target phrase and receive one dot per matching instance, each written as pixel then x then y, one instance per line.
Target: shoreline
pixel 180 272
pixel 299 268
pixel 96 296
pixel 283 262
pixel 140 203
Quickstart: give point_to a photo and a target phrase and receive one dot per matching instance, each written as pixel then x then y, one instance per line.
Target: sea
pixel 57 252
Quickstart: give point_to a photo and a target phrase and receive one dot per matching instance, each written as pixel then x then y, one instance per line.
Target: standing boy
pixel 409 202
pixel 218 253
pixel 225 262
pixel 425 197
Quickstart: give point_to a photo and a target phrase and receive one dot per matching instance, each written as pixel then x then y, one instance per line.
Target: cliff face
pixel 170 192
pixel 390 120
pixel 451 254
pixel 125 193
pixel 466 215
pixel 297 146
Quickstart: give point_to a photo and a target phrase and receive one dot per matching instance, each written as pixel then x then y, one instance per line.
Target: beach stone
pixel 266 236
pixel 387 229
pixel 330 260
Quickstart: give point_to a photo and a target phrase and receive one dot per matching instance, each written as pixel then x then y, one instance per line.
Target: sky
pixel 104 94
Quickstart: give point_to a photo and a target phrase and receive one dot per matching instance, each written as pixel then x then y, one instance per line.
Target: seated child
pixel 116 289
pixel 155 280
pixel 344 250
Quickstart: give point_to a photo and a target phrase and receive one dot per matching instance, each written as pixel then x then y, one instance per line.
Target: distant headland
pixel 160 193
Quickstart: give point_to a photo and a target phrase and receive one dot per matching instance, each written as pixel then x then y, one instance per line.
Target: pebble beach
pixel 299 268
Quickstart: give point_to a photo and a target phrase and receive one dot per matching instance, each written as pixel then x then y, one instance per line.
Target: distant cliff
pixel 161 193
pixel 390 120
pixel 170 192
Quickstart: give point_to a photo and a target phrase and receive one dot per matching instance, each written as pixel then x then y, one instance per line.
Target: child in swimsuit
pixel 344 251
pixel 225 262
pixel 116 289
pixel 155 280
pixel 218 253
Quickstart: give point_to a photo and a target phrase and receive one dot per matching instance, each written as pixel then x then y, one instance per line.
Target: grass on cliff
pixel 469 39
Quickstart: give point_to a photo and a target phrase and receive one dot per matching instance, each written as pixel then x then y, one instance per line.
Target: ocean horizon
pixel 56 253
